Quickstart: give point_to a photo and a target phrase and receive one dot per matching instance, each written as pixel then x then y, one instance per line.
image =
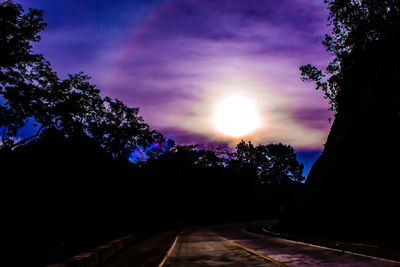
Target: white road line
pixel 169 252
pixel 338 250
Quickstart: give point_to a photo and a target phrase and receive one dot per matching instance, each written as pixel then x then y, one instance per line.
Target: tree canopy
pixel 72 180
pixel 273 163
pixel 24 76
pixel 360 156
pixel 30 89
pixel 357 27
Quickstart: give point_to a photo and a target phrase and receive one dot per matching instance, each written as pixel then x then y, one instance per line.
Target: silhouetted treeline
pixel 93 170
pixel 353 187
pixel 31 91
pixel 68 194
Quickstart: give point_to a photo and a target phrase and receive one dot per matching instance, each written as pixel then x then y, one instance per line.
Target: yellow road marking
pixel 253 251
pixel 169 252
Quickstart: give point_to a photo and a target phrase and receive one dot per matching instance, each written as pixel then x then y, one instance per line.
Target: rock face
pixel 353 188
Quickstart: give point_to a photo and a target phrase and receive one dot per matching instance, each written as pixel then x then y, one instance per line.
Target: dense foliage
pixel 72 186
pixel 30 89
pixel 358 27
pixel 274 163
pixel 354 183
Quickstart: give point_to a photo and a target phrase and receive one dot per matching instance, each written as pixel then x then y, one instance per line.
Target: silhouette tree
pixel 274 163
pixel 25 77
pixel 358 28
pixel 359 158
pixel 119 129
pixel 30 89
pixel 77 105
pixel 79 152
pixel 189 156
pixel 18 30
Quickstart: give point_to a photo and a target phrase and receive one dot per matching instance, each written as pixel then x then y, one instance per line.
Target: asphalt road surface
pixel 231 246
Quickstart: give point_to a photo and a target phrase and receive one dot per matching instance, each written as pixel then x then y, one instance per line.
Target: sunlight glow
pixel 236 116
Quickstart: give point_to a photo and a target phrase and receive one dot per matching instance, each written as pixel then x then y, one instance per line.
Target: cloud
pixel 173 65
pixel 182 136
pixel 313 118
pixel 176 59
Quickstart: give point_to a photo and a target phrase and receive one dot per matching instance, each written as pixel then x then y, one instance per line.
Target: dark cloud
pixel 66 14
pixel 152 97
pixel 185 137
pixel 221 19
pixel 231 20
pixel 161 55
pixel 314 118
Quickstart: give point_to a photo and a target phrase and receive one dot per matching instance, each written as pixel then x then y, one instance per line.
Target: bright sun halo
pixel 236 116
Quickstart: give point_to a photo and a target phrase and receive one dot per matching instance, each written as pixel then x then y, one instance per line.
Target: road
pixel 231 246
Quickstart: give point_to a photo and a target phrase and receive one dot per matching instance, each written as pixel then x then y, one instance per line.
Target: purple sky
pixel 177 60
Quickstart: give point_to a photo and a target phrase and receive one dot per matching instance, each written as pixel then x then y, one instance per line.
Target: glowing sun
pixel 236 116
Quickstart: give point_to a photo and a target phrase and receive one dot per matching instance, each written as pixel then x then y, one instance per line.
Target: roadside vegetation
pixel 352 189
pixel 92 169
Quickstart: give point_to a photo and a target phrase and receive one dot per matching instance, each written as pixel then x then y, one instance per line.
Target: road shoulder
pixel 149 252
pixel 368 250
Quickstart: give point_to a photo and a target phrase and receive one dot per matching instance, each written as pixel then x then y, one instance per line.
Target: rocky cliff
pixel 353 188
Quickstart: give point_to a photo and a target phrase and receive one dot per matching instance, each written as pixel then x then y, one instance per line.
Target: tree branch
pixel 29 138
pixel 4 133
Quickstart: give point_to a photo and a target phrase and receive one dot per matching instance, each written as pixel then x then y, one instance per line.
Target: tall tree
pixel 77 104
pixel 18 31
pixel 25 77
pixel 358 28
pixel 274 163
pixel 30 89
pixel 352 184
pixel 120 129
